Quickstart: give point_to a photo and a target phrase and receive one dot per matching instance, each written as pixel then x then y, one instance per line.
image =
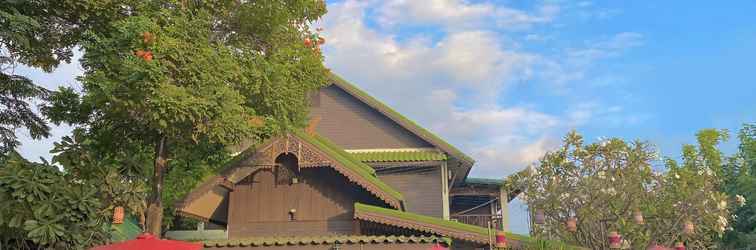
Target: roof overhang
pixel 422 223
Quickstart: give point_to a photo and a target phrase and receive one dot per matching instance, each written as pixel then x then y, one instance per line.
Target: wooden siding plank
pixel 422 190
pixel 351 124
pixel 323 201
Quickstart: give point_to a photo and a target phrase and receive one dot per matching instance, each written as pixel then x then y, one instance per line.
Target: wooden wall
pixel 323 199
pixel 421 188
pixel 351 124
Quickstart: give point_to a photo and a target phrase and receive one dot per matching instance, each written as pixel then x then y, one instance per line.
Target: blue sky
pixel 504 80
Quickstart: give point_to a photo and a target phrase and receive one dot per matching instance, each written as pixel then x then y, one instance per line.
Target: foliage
pixel 120 179
pixel 15 111
pixel 42 34
pixel 39 34
pixel 742 182
pixel 45 208
pixel 175 78
pixel 603 184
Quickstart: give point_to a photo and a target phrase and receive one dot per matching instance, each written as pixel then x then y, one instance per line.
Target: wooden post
pixel 504 201
pixel 356 230
pixel 445 189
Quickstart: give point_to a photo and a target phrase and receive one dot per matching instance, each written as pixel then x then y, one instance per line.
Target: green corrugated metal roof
pixel 347 160
pixel 193 235
pixel 398 156
pixel 128 230
pixel 324 240
pixel 484 181
pixel 483 232
pixel 359 207
pixel 399 118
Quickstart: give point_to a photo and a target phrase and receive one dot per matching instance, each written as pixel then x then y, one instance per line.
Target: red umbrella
pixel 438 247
pixel 147 241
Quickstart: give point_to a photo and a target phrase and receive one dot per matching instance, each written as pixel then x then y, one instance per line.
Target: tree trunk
pixel 155 201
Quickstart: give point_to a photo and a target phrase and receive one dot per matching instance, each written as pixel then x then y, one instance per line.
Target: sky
pixel 505 80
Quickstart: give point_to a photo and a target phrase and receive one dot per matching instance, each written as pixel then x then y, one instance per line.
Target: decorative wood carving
pixel 306 156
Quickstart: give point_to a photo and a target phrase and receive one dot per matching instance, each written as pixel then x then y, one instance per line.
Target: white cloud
pixel 511 154
pixel 471 60
pixel 456 14
pixel 573 64
pixel 452 84
pixel 463 74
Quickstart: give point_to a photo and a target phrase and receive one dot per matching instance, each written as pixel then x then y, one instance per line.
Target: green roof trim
pixel 321 240
pixel 128 230
pixel 484 181
pixel 197 235
pixel 398 156
pixel 399 118
pixel 359 207
pixel 347 160
pixel 483 232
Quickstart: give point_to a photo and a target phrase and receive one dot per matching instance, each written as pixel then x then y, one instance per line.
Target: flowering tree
pixel 584 193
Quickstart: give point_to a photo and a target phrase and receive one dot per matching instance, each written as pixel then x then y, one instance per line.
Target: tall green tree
pixel 177 75
pixel 16 93
pixel 39 34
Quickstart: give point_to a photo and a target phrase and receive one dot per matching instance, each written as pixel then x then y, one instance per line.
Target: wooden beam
pixel 475 191
pixel 504 201
pixel 445 190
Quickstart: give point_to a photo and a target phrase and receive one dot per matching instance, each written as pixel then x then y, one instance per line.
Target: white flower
pixel 709 172
pixel 700 172
pixel 611 191
pixel 722 221
pixel 677 176
pixel 722 205
pixel 613 179
pixel 740 200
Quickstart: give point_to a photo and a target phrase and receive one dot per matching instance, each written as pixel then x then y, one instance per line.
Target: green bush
pixel 42 207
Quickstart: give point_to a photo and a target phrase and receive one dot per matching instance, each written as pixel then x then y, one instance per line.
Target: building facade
pixel 361 176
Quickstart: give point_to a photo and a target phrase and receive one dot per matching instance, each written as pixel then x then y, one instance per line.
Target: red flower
pixel 147 56
pixel 307 42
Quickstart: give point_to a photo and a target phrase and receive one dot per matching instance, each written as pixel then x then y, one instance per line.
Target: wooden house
pixel 362 176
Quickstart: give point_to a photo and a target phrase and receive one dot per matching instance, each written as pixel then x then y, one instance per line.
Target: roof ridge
pixel 380 150
pixel 405 122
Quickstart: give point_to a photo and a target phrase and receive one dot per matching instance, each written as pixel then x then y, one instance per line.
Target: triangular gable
pixel 310 150
pixel 406 123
